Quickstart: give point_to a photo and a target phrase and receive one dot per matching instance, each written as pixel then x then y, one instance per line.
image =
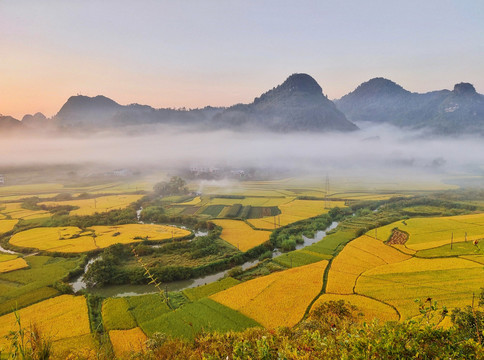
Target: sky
pixel 193 53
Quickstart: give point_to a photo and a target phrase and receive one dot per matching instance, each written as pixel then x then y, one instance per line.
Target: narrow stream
pixel 8 251
pixel 133 290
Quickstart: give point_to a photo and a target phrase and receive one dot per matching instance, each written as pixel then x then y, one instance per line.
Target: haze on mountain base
pixel 380 151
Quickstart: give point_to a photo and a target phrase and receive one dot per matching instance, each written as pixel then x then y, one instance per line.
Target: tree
pixel 176 186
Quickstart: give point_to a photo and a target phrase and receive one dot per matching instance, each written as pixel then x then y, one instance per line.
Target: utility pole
pixel 326 196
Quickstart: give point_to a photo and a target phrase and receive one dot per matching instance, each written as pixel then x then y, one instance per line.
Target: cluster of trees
pixel 176 186
pixel 288 236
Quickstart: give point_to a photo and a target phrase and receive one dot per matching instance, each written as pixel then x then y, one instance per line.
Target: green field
pixel 116 314
pixel 193 318
pixel 300 258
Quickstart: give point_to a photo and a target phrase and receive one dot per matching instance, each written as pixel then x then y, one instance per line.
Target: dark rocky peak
pixel 295 86
pixel 464 89
pixel 83 103
pixel 379 87
pixel 302 83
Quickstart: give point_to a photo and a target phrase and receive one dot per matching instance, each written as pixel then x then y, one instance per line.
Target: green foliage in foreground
pixel 193 318
pixel 200 292
pixel 116 315
pixel 24 287
pixel 333 331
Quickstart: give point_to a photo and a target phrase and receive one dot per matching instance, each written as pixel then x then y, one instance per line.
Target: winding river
pixel 133 290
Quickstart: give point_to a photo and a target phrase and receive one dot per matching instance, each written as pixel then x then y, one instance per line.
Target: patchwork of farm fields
pixel 441 258
pixel 72 239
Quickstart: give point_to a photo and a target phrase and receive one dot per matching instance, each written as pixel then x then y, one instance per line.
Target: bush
pixel 288 245
pixel 266 255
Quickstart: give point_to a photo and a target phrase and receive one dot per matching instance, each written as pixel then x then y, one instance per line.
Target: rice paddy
pixel 427 233
pixel 63 318
pixel 13 264
pixel 449 281
pixel 97 204
pixel 294 211
pixel 358 256
pixel 127 341
pixel 371 309
pixel 241 235
pixel 16 211
pixel 278 299
pixel 72 239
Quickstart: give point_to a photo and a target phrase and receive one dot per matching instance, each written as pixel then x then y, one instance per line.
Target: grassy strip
pixel 200 292
pixel 94 307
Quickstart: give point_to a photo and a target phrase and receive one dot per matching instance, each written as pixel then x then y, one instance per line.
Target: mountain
pixel 298 104
pixel 9 124
pixel 441 112
pixel 87 111
pixel 36 121
pixel 100 112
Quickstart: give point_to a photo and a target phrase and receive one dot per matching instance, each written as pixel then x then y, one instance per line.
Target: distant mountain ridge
pixel 443 112
pixel 298 104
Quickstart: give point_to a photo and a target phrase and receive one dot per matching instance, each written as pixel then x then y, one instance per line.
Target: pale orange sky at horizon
pixel 220 53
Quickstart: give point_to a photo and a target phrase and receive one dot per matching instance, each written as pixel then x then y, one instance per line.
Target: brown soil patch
pixel 398 237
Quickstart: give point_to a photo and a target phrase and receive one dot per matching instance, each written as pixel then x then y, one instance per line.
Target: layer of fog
pixel 376 150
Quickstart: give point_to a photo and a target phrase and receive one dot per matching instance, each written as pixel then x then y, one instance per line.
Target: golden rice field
pixel 20 197
pixel 426 233
pixel 99 204
pixel 30 189
pixel 72 239
pixel 364 196
pixel 15 211
pixel 294 211
pixel 449 281
pixel 252 201
pixel 241 235
pixel 62 319
pixel 7 225
pixel 370 308
pixel 359 255
pixel 278 299
pixel 127 341
pixel 14 264
pixel 195 201
pixel 477 258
